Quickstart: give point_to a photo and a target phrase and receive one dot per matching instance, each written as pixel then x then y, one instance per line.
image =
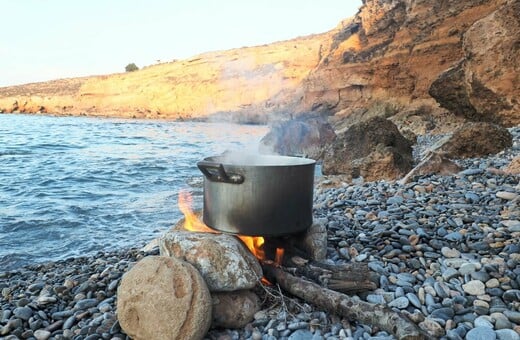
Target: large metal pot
pixel 258 195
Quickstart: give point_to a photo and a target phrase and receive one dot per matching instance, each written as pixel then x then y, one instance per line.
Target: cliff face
pixel 392 51
pixel 248 82
pixel 396 58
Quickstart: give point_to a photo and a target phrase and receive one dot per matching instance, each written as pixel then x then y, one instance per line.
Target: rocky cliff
pixel 415 61
pixel 386 58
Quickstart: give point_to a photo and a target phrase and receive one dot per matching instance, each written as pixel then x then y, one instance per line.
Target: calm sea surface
pixel 72 186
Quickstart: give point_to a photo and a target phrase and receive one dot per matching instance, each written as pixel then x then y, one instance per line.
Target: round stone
pixel 234 309
pixel 506 195
pixel 42 334
pixel 507 334
pixel 483 321
pixel 23 313
pixel 481 333
pixel 401 303
pixel 512 316
pixel 163 298
pixel 501 321
pixel 474 287
pixel 450 252
pixel 492 283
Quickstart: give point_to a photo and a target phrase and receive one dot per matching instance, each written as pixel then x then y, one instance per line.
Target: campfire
pixel 193 223
pixel 301 274
pixel 257 226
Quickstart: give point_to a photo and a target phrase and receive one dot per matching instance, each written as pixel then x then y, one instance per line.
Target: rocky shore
pixel 446 248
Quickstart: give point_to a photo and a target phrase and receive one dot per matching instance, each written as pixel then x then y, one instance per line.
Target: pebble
pixel 483 321
pixel 474 287
pixel 450 252
pixel 414 300
pixel 481 333
pixel 23 313
pixel 42 334
pixel 507 334
pixel 501 321
pixel 513 316
pixel 401 303
pixel 506 195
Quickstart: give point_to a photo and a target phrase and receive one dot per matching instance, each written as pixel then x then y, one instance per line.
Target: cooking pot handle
pixel 215 172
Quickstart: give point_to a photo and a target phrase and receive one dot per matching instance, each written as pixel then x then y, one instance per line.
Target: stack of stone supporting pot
pixel 201 280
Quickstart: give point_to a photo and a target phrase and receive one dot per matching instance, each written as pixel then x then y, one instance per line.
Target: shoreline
pixel 446 248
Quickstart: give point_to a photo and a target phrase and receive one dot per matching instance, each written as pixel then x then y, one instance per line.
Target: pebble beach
pixel 446 248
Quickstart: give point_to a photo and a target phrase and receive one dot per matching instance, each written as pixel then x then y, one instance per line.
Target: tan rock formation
pixel 514 167
pixel 485 84
pixel 432 163
pixel 389 54
pixel 163 298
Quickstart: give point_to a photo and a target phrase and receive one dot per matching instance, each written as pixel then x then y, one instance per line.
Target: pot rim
pixel 256 160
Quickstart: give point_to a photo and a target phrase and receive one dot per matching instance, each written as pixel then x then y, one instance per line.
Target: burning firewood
pixel 344 305
pixel 347 278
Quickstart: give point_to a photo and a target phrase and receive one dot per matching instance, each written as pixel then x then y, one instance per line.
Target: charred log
pixel 348 278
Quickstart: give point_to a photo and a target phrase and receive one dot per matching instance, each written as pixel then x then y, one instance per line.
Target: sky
pixel 50 39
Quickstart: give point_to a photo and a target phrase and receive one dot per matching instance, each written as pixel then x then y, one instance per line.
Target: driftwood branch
pixel 343 305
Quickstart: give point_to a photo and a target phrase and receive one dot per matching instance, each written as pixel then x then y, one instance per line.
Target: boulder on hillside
pixel 373 149
pixel 298 137
pixel 475 140
pixel 484 85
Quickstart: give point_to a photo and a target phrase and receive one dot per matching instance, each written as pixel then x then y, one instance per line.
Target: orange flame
pixel 279 256
pixel 191 221
pixel 254 243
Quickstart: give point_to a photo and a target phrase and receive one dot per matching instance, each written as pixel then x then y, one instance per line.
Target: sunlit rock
pixel 224 262
pixel 163 298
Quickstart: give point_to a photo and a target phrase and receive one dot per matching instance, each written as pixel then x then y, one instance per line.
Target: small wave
pixel 15 153
pixel 12 261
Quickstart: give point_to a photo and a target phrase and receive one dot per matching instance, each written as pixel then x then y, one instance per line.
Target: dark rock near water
pixel 373 149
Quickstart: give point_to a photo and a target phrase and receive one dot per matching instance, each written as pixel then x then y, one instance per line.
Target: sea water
pixel 72 186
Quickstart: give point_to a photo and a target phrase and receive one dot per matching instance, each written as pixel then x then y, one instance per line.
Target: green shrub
pixel 131 67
